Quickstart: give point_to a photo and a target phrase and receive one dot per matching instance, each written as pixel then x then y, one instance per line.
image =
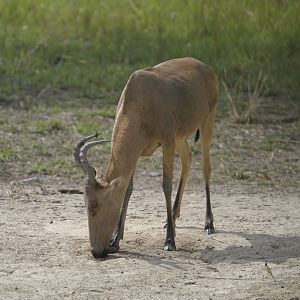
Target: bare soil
pixel 44 247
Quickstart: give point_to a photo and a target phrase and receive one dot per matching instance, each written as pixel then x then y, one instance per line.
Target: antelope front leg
pixel 119 231
pixel 168 160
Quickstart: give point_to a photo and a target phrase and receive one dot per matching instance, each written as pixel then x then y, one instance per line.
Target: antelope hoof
pixel 170 248
pixel 209 227
pixel 210 231
pixel 113 249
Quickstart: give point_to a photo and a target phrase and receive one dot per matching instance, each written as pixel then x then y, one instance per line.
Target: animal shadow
pixel 264 247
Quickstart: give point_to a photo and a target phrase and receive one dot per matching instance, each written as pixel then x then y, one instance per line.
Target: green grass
pixel 89 48
pixel 269 144
pixel 55 167
pixel 274 143
pixel 8 153
pixel 47 126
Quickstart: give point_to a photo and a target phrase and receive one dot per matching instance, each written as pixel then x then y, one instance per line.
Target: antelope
pixel 159 106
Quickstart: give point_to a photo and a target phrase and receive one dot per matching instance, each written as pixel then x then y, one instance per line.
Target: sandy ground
pixel 44 247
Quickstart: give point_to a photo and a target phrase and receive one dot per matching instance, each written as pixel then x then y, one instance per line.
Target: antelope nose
pixel 98 254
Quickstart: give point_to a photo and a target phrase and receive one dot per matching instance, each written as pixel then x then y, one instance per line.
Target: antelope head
pixel 102 199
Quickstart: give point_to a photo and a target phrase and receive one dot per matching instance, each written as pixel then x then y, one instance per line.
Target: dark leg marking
pixel 209 220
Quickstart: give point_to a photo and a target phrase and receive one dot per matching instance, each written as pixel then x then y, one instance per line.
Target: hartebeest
pixel 159 106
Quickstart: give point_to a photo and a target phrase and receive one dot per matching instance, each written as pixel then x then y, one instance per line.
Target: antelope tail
pixel 197 136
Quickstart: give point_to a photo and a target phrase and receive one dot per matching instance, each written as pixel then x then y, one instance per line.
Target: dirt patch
pixel 45 248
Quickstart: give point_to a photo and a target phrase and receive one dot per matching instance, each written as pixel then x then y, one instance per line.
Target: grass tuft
pixel 8 153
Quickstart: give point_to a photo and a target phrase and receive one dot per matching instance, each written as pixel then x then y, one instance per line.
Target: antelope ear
pixel 116 183
pixel 101 180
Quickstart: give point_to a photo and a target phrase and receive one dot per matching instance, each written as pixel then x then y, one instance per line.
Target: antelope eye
pixel 94 205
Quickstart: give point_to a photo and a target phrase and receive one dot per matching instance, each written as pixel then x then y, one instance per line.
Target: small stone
pixel 29 180
pixel 154 174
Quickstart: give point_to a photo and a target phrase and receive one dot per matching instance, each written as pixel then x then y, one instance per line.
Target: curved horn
pixel 87 168
pixel 76 150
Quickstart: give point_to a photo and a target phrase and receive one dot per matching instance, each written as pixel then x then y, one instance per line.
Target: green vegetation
pixel 89 48
pixel 48 126
pixel 63 64
pixel 269 144
pixel 8 153
pixel 56 166
pixel 240 175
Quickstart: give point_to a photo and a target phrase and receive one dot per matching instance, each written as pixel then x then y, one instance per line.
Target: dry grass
pixel 248 112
